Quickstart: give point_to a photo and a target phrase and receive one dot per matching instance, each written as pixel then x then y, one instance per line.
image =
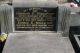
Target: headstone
pixel 59 20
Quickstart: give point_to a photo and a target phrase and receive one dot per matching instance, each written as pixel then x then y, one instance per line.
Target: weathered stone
pixel 37 42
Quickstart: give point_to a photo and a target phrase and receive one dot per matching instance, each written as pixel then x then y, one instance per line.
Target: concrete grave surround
pixel 37 42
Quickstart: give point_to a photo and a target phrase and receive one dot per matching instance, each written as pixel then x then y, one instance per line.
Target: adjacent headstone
pixel 74 35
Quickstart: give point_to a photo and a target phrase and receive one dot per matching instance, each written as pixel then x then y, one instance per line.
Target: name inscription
pixel 35 19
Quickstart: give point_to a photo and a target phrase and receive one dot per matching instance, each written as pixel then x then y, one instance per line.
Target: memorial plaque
pixel 35 19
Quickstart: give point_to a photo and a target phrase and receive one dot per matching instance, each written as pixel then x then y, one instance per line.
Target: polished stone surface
pixel 37 42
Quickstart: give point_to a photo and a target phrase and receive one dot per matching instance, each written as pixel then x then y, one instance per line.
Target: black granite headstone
pixel 75 38
pixel 35 19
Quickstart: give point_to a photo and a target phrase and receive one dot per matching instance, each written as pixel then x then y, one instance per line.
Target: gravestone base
pixel 37 42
